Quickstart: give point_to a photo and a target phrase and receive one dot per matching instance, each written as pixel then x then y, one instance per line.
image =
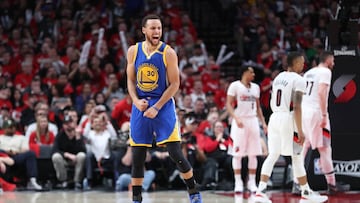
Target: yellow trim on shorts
pixel 174 136
pixel 133 144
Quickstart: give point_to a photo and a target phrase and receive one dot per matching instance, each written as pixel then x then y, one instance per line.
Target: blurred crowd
pixel 62 84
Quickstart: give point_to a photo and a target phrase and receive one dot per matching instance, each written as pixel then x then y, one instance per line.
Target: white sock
pixel 262 186
pixel 252 178
pixel 305 187
pixel 238 180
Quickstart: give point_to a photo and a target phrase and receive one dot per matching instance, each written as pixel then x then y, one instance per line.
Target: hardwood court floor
pixel 156 197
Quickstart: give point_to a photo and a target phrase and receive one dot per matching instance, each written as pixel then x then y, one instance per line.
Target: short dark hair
pixel 324 55
pixel 292 56
pixel 149 17
pixel 243 69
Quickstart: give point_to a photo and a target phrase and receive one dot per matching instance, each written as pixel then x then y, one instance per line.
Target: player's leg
pixel 296 186
pixel 137 171
pixel 238 152
pixel 326 164
pixel 266 171
pixel 185 169
pixel 300 173
pixel 254 149
pixel 252 165
pixel 236 164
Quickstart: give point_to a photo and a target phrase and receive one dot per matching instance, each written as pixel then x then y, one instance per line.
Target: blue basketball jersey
pixel 151 79
pixel 151 82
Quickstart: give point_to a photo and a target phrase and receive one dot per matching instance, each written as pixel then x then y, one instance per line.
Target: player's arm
pixel 322 93
pixel 131 80
pixel 260 115
pixel 230 109
pixel 229 101
pixel 173 76
pixel 297 99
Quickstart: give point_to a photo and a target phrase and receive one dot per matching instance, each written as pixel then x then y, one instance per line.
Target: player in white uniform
pixel 245 127
pixel 316 122
pixel 284 124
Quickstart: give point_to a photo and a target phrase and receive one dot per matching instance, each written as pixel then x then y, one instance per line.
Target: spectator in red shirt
pixel 41 136
pixel 206 125
pixel 35 89
pixel 215 143
pixel 43 55
pixel 211 79
pixel 220 94
pixel 24 78
pixel 122 110
pixel 187 80
pixel 51 77
pixel 9 65
pixel 265 57
pixel 97 79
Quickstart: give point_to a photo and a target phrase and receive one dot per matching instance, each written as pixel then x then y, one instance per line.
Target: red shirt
pixel 7 103
pixel 209 145
pixel 265 95
pixel 23 80
pixel 220 98
pixel 266 62
pixel 188 85
pixel 11 68
pixel 121 112
pixel 34 143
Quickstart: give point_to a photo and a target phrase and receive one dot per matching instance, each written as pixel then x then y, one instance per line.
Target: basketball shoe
pixel 195 198
pixel 313 197
pixel 261 197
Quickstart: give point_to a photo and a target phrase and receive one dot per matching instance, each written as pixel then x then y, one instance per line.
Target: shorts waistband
pixel 149 98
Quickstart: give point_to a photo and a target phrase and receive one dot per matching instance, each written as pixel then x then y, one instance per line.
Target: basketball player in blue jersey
pixel 153 79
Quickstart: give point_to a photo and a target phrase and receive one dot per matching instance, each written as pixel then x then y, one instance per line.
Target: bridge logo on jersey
pixel 344 88
pixel 147 77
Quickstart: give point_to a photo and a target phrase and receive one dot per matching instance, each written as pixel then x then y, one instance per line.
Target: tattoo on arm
pixel 297 97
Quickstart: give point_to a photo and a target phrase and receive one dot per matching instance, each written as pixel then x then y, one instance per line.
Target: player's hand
pixel 323 121
pixel 151 112
pixel 141 104
pixel 301 138
pixel 238 122
pixel 265 128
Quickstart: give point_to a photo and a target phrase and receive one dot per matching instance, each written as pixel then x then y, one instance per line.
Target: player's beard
pixel 150 40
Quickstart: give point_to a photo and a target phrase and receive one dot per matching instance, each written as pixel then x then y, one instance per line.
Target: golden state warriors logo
pixel 147 77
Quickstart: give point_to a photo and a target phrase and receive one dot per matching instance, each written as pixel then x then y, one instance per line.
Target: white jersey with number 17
pixel 313 78
pixel 283 88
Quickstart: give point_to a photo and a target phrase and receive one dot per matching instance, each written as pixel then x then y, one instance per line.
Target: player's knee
pixel 138 157
pixel 298 166
pixel 177 156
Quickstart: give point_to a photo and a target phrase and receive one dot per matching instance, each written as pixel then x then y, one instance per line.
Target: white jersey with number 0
pixel 281 125
pixel 283 87
pixel 314 77
pixel 245 97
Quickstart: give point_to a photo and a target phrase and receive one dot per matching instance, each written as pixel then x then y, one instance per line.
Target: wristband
pixel 156 108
